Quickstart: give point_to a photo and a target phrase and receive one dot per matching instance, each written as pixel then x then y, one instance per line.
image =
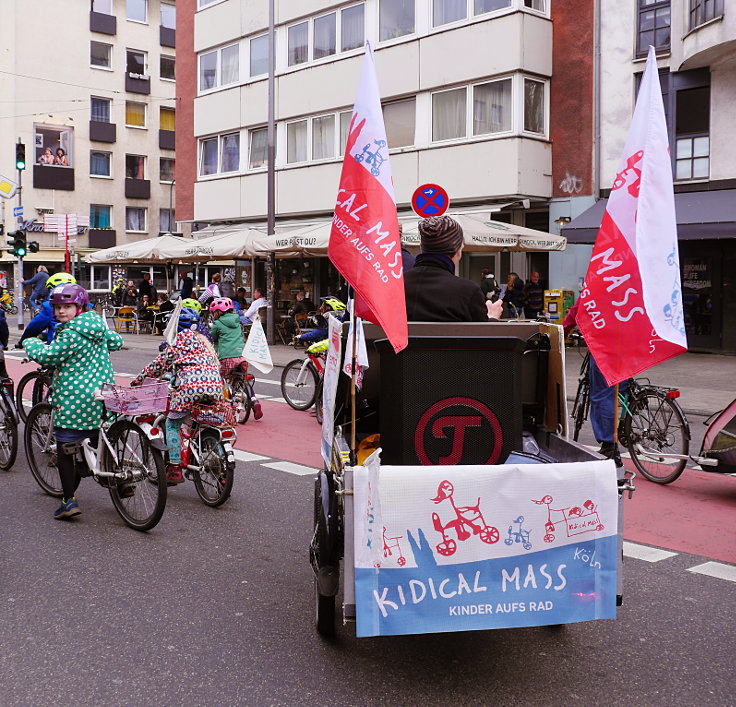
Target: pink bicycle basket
pixel 135 401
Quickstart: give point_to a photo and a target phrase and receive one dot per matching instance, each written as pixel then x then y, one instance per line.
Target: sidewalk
pixel 707 381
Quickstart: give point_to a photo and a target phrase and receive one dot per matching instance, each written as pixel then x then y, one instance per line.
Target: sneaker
pixel 257 412
pixel 174 475
pixel 608 449
pixel 67 509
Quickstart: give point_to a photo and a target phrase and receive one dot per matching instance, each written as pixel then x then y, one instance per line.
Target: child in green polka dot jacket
pixel 80 353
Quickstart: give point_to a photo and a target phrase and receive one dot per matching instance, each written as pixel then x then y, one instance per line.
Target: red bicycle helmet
pixel 221 304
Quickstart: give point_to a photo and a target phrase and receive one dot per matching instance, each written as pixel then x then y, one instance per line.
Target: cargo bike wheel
pixel 324 553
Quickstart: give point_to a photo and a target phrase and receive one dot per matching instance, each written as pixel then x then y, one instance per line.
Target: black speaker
pixel 449 400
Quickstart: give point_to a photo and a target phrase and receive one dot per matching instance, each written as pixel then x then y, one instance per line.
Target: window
pixel 534 107
pixel 323 137
pixel 104 7
pixel 449 110
pixel 395 19
pixel 298 38
pixel 135 167
pixel 230 145
pixel 399 119
pixel 167 119
pixel 353 27
pixel 207 70
pixel 136 10
pixel 492 107
pixel 135 219
pixel 135 114
pixel 167 69
pixel 100 216
pixel 480 7
pixel 230 60
pixel 325 36
pixel 100 55
pixel 445 11
pixel 345 118
pixel 296 142
pixel 259 55
pixel 205 3
pixel 167 221
pixel 100 109
pixel 54 145
pixel 258 148
pixel 166 169
pixel 99 163
pixel 135 63
pixel 208 157
pixel 692 133
pixel 219 68
pixel 702 11
pixel 168 15
pixel 535 4
pixel 654 26
pixel 219 154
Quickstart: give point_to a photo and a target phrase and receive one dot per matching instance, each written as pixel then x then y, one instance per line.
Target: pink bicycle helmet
pixel 69 294
pixel 221 304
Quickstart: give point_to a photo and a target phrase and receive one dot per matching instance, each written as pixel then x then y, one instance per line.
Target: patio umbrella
pixel 146 251
pixel 226 244
pixel 305 240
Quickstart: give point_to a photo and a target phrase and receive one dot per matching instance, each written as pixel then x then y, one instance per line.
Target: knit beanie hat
pixel 440 234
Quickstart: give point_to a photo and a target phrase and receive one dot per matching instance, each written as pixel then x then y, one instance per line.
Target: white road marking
pixel 243 456
pixel 267 381
pixel 715 569
pixel 643 552
pixel 291 468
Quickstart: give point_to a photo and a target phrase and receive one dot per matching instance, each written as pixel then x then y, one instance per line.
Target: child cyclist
pixel 227 333
pixel 80 353
pixel 196 306
pixel 194 362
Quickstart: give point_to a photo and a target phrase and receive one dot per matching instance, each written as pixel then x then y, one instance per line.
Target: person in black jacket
pixel 433 292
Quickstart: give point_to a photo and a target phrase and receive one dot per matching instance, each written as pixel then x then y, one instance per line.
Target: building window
pixel 135 167
pixel 258 151
pixel 230 150
pixel 135 219
pixel 446 11
pixel 449 110
pixel 100 109
pixel 168 15
pixel 135 114
pixel 259 55
pixel 166 169
pixel 654 26
pixel 702 11
pixel 99 163
pixel 492 107
pixel 208 157
pixel 167 119
pixel 219 68
pixel 104 7
pixel 296 142
pixel 219 154
pixel 167 69
pixel 395 19
pixel 100 216
pixel 534 107
pixel 325 36
pixel 327 33
pixel 536 4
pixel 207 70
pixel 345 119
pixel 135 63
pixel 480 7
pixel 100 55
pixel 230 64
pixel 167 221
pixel 399 118
pixel 205 3
pixel 692 130
pixel 298 39
pixel 136 10
pixel 54 145
pixel 323 137
pixel 353 27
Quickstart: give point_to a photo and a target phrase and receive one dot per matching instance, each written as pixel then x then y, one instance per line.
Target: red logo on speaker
pixel 452 425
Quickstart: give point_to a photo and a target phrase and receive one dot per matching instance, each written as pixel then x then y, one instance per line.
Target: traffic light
pixel 33 246
pixel 20 155
pixel 17 243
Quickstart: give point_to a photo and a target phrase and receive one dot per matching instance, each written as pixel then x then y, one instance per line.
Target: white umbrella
pixel 305 240
pixel 225 245
pixel 148 250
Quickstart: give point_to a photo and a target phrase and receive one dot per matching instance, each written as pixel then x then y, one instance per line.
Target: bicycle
pixel 652 426
pixel 126 459
pixel 239 390
pixel 8 424
pixel 34 387
pixel 300 379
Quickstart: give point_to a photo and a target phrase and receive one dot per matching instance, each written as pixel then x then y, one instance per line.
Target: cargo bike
pixel 476 402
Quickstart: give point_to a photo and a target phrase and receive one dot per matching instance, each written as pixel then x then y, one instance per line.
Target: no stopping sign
pixel 430 200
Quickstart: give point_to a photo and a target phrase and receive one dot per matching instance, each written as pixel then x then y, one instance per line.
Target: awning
pixel 700 215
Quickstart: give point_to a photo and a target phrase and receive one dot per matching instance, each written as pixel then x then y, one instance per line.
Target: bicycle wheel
pixel 26 391
pixel 580 408
pixel 242 398
pixel 213 475
pixel 140 463
pixel 40 447
pixel 8 434
pixel 299 387
pixel 656 427
pixel 319 408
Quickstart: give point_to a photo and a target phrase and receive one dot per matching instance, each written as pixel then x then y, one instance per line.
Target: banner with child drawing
pixel 457 548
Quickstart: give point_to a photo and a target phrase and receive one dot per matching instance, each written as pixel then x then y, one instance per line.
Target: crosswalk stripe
pixel 643 552
pixel 243 456
pixel 291 468
pixel 715 569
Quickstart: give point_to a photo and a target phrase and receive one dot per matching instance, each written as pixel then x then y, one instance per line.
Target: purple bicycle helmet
pixel 69 294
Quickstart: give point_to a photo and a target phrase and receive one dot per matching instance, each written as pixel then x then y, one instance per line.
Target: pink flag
pixel 631 306
pixel 364 241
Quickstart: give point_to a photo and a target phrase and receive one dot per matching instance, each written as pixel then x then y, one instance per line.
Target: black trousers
pixel 71 466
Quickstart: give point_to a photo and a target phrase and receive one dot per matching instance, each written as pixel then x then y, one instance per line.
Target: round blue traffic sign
pixel 430 200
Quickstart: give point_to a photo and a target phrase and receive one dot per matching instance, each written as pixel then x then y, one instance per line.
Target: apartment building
pixel 695 42
pixel 89 88
pixel 465 87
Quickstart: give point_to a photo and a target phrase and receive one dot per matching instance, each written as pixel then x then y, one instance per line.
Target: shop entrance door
pixel 701 295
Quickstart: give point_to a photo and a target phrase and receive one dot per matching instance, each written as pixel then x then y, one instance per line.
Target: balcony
pixel 137 83
pixel 102 23
pixel 102 238
pixel 101 132
pixel 167 139
pixel 167 37
pixel 137 189
pixel 51 177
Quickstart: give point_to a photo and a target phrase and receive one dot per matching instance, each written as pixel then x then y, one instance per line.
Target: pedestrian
pixel 38 282
pixel 187 285
pixel 489 285
pixel 145 286
pixel 513 298
pixel 533 296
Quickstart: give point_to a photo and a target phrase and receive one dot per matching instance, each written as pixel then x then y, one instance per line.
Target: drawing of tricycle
pixel 577 520
pixel 519 534
pixel 375 159
pixel 469 516
pixel 393 544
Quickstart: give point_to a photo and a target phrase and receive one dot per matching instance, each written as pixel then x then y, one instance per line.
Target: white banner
pixel 329 386
pixel 256 351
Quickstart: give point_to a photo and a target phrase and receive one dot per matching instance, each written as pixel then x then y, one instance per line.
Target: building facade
pixel 89 89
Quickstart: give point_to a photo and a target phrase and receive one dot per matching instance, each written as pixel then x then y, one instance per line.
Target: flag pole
pixel 615 414
pixel 353 366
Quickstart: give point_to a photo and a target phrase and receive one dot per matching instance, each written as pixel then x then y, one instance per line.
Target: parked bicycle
pixel 33 388
pixel 8 424
pixel 125 461
pixel 301 378
pixel 652 425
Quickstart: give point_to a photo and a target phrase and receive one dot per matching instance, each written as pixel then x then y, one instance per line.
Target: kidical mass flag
pixel 631 306
pixel 364 242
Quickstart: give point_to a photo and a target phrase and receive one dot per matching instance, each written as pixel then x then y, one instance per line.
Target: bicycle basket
pixel 141 400
pixel 221 414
